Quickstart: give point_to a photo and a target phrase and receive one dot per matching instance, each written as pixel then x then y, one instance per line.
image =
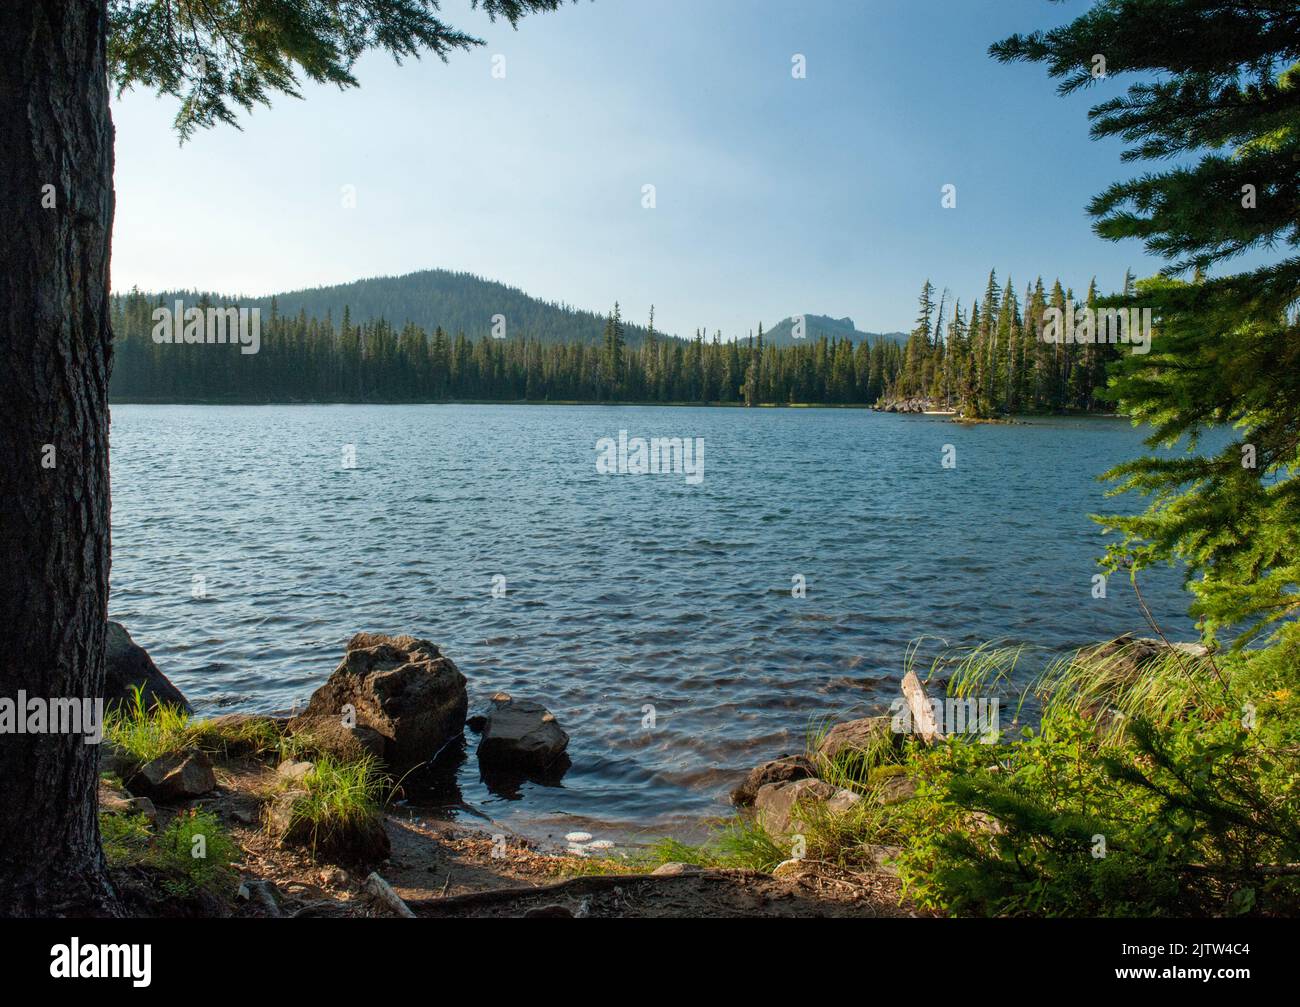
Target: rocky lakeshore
pixel 391 706
pixel 916 406
pixel 305 815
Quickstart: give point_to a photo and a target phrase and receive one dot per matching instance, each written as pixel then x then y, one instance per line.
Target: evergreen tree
pixel 59 62
pixel 612 359
pixel 918 345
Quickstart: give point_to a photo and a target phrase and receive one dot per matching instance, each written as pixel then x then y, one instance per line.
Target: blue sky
pixel 774 195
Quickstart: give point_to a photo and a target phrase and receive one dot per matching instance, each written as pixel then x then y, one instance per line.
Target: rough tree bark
pixel 55 356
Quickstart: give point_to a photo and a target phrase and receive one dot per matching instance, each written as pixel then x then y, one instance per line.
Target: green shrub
pixel 1179 796
pixel 1170 791
pixel 192 854
pixel 125 838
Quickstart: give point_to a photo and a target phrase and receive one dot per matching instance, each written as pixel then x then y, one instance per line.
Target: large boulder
pixel 861 738
pixel 1121 663
pixel 779 806
pixel 520 735
pixel 400 687
pixel 1126 657
pixel 176 777
pixel 786 769
pixel 332 736
pixel 126 664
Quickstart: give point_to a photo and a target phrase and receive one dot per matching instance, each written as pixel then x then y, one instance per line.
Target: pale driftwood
pixel 588 884
pixel 383 891
pixel 924 725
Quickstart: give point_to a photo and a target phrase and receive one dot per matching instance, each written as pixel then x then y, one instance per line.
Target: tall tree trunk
pixel 56 209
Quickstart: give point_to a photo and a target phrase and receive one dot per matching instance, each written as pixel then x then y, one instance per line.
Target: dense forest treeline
pixel 992 361
pixel 996 360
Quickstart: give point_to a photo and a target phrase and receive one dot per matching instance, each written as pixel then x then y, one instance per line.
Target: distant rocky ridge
pixel 816 326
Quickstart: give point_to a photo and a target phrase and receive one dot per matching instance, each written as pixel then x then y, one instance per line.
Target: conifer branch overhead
pixel 221 56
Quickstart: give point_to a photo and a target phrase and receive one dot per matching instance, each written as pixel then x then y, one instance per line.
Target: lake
pixel 614 592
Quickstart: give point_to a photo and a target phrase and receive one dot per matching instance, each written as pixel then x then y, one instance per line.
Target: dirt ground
pixel 444 869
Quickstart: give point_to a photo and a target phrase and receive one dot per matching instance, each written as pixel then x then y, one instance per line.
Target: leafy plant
pixel 1158 800
pixel 192 854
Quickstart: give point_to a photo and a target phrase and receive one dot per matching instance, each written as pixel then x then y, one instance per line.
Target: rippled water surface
pixel 621 591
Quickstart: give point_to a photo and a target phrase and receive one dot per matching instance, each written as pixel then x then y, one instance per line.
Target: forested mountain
pixel 459 302
pixel 993 360
pixel 816 326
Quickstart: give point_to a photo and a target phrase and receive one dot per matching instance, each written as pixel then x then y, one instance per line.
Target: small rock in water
pixel 786 769
pixel 522 736
pixel 601 844
pixel 578 837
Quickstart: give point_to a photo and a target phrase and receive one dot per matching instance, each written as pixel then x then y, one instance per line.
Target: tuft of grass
pixel 338 796
pixel 738 842
pixel 581 867
pixel 854 769
pixel 303 745
pixel 1086 685
pixel 674 851
pixel 254 736
pixel 125 838
pixel 146 734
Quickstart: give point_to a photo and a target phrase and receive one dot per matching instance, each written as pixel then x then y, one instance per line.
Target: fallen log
pixel 587 885
pixel 924 725
pixel 383 891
